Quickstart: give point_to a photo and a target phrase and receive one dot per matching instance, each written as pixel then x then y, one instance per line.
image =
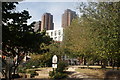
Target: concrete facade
pixel 57 34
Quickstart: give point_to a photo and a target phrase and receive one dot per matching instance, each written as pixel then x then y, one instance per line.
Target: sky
pixel 37 9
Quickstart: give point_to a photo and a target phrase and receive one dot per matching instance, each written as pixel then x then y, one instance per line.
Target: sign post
pixel 54 62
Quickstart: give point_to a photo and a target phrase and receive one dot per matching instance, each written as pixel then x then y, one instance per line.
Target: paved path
pixel 75 74
pixel 43 73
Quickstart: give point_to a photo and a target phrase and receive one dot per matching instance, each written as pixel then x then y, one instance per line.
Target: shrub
pixel 16 76
pixel 59 73
pixel 51 74
pixel 21 70
pixel 32 72
pixel 61 66
pixel 31 63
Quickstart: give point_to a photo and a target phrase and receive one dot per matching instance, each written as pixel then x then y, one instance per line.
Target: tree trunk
pixel 113 67
pixel 87 65
pixel 103 64
pixel 113 64
pixel 98 63
pixel 84 61
pixel 118 64
pixel 117 67
pixel 14 68
pixel 8 73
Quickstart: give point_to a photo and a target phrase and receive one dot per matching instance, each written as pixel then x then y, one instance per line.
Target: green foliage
pixel 22 70
pixel 29 64
pixel 51 74
pixel 18 37
pixel 33 73
pixel 39 60
pixel 59 73
pixel 55 48
pixel 104 23
pixel 61 66
pixel 95 35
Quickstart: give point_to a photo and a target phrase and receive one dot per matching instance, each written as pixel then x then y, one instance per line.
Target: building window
pixel 59 38
pixel 51 33
pixel 59 32
pixel 55 33
pixel 55 38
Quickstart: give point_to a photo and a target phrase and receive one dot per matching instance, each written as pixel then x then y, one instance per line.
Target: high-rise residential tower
pixel 67 17
pixel 47 22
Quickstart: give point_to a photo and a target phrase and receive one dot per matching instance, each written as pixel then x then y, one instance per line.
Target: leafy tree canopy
pixel 96 32
pixel 18 38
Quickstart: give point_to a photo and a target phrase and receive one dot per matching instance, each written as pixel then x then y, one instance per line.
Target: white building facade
pixel 56 34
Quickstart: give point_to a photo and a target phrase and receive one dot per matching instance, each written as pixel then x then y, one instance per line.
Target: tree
pixel 55 48
pixel 96 33
pixel 105 21
pixel 78 39
pixel 19 39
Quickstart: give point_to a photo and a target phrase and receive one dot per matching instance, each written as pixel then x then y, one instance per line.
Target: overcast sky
pixel 37 9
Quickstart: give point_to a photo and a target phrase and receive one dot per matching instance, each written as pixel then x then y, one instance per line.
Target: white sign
pixel 54 65
pixel 54 59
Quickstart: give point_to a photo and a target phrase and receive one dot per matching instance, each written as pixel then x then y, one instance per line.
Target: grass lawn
pixel 93 71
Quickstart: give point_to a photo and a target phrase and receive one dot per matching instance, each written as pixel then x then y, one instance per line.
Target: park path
pixel 44 73
pixel 75 74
